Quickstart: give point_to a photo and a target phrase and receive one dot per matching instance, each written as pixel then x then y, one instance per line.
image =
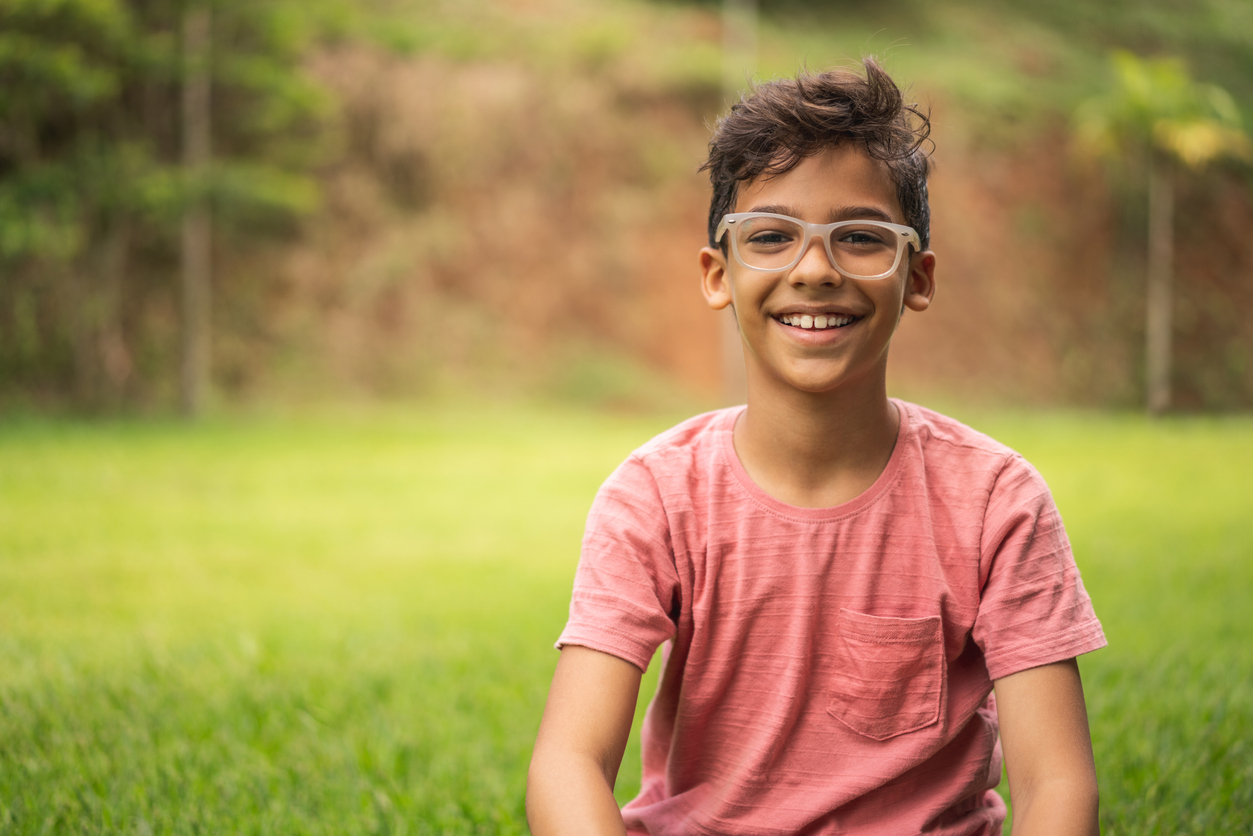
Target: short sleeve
pixel 1033 609
pixel 626 590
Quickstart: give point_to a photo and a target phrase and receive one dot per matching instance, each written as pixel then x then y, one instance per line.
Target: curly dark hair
pixel 779 123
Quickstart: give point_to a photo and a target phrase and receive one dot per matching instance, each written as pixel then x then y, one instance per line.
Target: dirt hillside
pixel 501 224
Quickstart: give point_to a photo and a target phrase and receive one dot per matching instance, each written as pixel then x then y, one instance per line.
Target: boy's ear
pixel 920 283
pixel 714 284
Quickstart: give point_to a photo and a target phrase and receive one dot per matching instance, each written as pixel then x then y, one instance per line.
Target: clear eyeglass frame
pixel 903 235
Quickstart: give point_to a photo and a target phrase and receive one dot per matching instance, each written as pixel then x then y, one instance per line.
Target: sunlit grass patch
pixel 344 624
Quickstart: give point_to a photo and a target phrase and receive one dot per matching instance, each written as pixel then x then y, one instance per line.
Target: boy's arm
pixel 579 748
pixel 1048 751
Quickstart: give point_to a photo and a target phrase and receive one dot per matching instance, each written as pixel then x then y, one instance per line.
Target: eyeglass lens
pixel 775 243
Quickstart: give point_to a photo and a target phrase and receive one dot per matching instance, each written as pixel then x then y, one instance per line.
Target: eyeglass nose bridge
pixel 824 237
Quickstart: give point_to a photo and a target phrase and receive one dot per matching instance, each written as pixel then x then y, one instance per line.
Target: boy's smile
pixel 811 327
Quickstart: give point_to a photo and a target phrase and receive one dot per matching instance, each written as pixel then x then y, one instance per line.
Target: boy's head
pixel 782 122
pixel 833 158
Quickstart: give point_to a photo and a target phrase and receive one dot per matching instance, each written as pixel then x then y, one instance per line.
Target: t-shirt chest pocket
pixel 889 676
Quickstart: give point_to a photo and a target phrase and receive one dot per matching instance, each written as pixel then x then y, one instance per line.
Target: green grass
pixel 1160 515
pixel 343 624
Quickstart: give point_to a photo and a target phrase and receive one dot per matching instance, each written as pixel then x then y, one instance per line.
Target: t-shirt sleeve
pixel 1033 609
pixel 626 587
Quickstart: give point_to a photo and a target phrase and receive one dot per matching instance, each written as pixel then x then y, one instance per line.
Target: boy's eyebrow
pixel 844 213
pixel 776 209
pixel 870 213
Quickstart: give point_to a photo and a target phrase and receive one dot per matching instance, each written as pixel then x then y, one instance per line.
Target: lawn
pixel 342 623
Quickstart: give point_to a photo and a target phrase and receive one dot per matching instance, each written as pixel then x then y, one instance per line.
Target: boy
pixel 854 593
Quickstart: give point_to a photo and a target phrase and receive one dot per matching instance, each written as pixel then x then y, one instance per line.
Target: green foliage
pixel 89 99
pixel 345 624
pixel 1214 37
pixel 91 181
pixel 1008 64
pixel 1155 104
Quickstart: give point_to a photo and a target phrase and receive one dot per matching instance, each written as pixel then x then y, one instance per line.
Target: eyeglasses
pixel 775 243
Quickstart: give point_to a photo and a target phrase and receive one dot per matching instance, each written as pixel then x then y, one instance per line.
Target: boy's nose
pixel 815 266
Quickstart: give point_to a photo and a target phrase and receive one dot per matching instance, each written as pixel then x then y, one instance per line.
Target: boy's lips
pixel 815 319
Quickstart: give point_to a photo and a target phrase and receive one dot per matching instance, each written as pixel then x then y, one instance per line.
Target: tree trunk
pixel 83 306
pixel 1158 303
pixel 94 286
pixel 116 364
pixel 196 266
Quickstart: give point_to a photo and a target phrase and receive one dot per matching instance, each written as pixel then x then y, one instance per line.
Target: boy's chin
pixel 822 377
pixel 815 383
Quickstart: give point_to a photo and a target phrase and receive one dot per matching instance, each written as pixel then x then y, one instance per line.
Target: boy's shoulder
pixel 676 456
pixel 964 459
pixel 688 437
pixel 933 427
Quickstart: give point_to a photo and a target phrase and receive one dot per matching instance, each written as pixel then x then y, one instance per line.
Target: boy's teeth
pixel 815 322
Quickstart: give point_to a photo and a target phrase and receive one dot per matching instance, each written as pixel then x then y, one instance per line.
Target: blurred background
pixel 425 273
pixel 278 200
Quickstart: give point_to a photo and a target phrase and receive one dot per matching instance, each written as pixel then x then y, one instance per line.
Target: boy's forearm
pixel 578 750
pixel 1048 751
pixel 1057 808
pixel 571 796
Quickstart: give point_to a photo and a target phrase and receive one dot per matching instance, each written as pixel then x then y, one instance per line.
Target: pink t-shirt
pixel 826 670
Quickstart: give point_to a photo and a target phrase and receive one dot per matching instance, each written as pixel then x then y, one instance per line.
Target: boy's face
pixel 840 183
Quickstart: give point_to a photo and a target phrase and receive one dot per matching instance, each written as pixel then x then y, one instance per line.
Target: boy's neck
pixel 816 450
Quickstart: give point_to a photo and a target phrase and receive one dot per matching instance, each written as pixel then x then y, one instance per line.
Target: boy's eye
pixel 770 238
pixel 860 238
